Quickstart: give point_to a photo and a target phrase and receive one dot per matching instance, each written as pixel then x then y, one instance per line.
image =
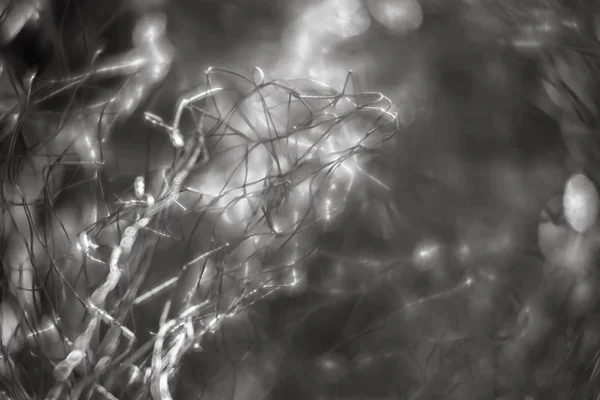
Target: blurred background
pixel 450 274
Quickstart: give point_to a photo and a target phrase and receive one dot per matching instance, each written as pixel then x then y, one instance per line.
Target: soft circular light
pixel 398 16
pixel 331 367
pixel 428 254
pixel 580 203
pixel 346 18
